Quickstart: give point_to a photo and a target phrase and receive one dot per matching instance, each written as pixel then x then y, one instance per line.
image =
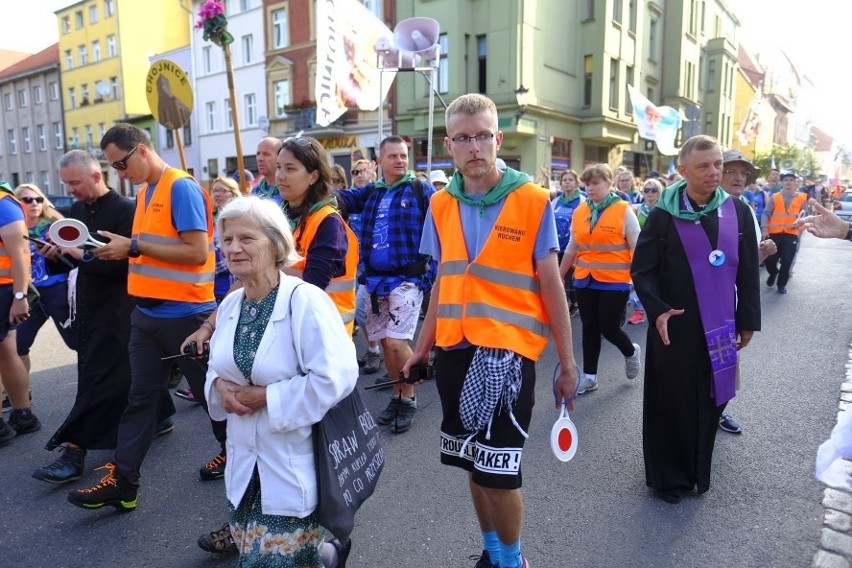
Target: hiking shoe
pixel 782 290
pixel 6 433
pixel 67 467
pixel 730 424
pixel 214 469
pixel 587 384
pixel 484 561
pixel 405 416
pixel 372 362
pixel 164 426
pixel 637 318
pixel 187 395
pixel 24 425
pixel 389 414
pixel 573 310
pixel 107 492
pixel 384 380
pixel 633 364
pixel 771 280
pixel 218 542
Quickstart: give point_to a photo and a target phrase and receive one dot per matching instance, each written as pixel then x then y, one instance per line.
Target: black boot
pixel 67 467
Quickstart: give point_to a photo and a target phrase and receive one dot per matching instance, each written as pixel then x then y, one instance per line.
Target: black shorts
pixel 6 298
pixel 494 462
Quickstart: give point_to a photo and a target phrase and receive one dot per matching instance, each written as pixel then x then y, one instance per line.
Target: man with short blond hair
pixel 266 156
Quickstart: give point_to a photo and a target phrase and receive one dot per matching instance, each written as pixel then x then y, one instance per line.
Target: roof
pixel 9 57
pixel 44 58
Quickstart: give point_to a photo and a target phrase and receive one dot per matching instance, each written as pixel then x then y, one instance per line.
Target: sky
pixel 813 34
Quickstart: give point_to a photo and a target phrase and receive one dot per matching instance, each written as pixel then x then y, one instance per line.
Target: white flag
pixel 347 72
pixel 658 123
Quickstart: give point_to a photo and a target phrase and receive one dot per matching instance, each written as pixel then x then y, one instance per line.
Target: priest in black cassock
pixel 695 270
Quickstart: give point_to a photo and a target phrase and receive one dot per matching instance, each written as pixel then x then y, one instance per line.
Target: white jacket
pixel 306 367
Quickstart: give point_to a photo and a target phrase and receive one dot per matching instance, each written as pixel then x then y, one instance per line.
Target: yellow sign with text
pixel 169 94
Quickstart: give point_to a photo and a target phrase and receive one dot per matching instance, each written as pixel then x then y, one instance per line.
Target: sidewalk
pixel 835 547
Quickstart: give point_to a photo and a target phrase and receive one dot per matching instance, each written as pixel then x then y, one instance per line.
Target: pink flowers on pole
pixel 214 23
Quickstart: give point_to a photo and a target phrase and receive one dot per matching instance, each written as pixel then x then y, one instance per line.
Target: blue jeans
pixel 53 303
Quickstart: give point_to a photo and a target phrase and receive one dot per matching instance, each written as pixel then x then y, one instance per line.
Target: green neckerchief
pixel 670 201
pixel 644 209
pixel 294 222
pixel 265 189
pixel 509 182
pixel 37 231
pixel 598 209
pixel 382 184
pixel 567 200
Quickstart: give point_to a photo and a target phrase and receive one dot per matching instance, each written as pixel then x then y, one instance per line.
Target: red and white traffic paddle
pixel 70 233
pixel 563 435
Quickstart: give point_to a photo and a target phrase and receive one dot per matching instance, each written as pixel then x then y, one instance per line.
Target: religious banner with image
pixel 658 123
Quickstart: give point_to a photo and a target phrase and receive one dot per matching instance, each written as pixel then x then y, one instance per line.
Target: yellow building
pixel 104 46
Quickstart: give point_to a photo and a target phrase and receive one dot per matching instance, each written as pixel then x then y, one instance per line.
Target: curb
pixel 835 543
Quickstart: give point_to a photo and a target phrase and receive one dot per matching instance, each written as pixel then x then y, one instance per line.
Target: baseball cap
pixel 438 176
pixel 733 156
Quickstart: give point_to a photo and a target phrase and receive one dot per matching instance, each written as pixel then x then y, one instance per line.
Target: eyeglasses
pixel 465 140
pixel 359 172
pixel 734 172
pixel 338 180
pixel 650 190
pixel 121 165
pixel 31 200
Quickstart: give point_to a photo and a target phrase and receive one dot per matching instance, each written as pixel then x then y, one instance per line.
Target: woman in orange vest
pixel 328 246
pixel 603 235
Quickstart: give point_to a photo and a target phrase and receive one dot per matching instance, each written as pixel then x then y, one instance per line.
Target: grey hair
pixel 271 221
pixel 79 158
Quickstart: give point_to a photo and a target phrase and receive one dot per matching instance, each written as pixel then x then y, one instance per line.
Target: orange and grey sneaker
pixel 107 492
pixel 214 469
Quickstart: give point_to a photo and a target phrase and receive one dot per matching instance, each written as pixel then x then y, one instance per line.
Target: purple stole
pixel 715 288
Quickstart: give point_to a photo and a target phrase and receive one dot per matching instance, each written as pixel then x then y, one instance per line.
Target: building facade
pixel 31 123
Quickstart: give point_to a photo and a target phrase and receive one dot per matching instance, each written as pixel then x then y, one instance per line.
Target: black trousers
pixel 600 312
pixel 151 339
pixel 787 246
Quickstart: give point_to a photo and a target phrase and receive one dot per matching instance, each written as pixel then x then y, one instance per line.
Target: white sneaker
pixel 633 364
pixel 587 384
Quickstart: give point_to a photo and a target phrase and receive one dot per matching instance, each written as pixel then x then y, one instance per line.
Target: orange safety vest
pixel 153 278
pixel 341 289
pixel 494 301
pixel 602 252
pixel 784 220
pixel 5 259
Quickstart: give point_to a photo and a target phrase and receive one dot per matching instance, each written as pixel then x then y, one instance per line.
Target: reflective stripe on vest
pixel 153 278
pixel 494 301
pixel 783 220
pixel 602 252
pixel 341 290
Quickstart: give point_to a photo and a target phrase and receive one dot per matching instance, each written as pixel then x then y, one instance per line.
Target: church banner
pixel 658 123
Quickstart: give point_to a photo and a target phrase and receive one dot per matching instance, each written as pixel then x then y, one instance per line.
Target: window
pixel 78 19
pixel 23 99
pixel 25 135
pixel 280 29
pixel 72 98
pixel 113 85
pixel 111 51
pixel 93 14
pixel 693 18
pixel 708 123
pixel 282 97
pixel 652 40
pixel 482 62
pixel 84 94
pixel 229 116
pixel 213 168
pixel 613 84
pixel 187 135
pixel 13 143
pixel 250 104
pixel 246 5
pixel 45 182
pixel 170 138
pixel 711 75
pixel 89 141
pixel 7 101
pixel 69 59
pixel 632 15
pixel 38 95
pixel 375 6
pixel 443 68
pixel 29 177
pixel 628 80
pixel 588 10
pixel 66 24
pixel 588 68
pixel 109 8
pixel 75 137
pixel 96 51
pixel 617 9
pixel 42 137
pixel 248 46
pixel 210 109
pixel 54 90
pixel 57 135
pixel 651 94
pixel 84 55
pixel 102 129
pixel 207 59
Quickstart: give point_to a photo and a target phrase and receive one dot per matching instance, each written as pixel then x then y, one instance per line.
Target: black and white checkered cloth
pixel 492 384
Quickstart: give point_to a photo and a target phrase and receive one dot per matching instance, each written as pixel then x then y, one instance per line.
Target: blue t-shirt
pixel 10 212
pixel 189 213
pixel 563 212
pixel 38 264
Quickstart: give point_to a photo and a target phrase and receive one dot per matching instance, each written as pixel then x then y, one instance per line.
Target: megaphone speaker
pixel 417 35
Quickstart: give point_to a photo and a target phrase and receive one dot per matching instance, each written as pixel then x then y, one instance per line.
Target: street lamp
pixel 521 95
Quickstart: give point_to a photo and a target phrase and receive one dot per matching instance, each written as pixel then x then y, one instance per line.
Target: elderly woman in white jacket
pixel 279 359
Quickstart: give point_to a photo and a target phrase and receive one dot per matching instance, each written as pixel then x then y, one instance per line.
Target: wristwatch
pixel 134 249
pixel 20 295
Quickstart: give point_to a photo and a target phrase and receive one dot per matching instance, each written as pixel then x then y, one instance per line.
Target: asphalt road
pixel 763 508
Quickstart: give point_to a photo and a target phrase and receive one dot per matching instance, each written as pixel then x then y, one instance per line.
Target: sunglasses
pixel 31 200
pixel 121 165
pixel 650 190
pixel 358 172
pixel 298 140
pixel 338 180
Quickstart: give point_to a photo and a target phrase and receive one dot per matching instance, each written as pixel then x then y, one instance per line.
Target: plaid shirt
pixel 405 229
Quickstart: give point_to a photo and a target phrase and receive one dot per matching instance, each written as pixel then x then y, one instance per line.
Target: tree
pixel 789 158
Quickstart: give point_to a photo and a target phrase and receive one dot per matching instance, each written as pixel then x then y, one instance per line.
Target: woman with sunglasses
pixel 338 178
pixel 651 190
pixel 53 288
pixel 564 205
